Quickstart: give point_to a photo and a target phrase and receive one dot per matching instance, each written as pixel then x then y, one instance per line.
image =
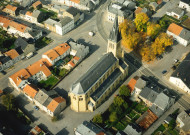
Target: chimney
pixel 177 74
pixel 184 79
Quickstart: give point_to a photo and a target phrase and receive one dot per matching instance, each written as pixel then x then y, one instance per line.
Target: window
pixel 80 99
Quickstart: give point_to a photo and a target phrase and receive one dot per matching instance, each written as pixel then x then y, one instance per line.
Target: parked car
pixel 91 33
pixel 164 71
pixel 36 108
pixel 3 72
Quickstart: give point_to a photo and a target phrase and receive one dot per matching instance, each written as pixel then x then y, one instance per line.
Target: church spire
pixel 115 35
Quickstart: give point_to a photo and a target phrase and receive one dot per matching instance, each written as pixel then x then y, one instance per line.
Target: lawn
pixel 49 13
pixel 42 42
pixel 63 72
pixel 171 132
pixel 126 121
pixel 119 126
pixel 141 108
pixel 49 83
pixel 132 114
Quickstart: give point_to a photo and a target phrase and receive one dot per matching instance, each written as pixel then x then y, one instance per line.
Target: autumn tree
pixel 160 43
pixel 146 53
pixel 124 91
pixel 153 29
pixel 97 118
pixel 141 21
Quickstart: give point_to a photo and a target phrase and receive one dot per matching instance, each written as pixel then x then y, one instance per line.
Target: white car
pixel 91 33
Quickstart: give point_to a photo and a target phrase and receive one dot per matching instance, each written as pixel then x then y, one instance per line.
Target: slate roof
pixel 65 21
pixel 133 129
pixel 185 119
pixel 185 34
pixel 73 11
pixel 115 35
pixel 148 94
pixel 20 42
pixel 87 128
pixel 36 13
pixel 120 12
pixel 182 71
pixel 140 83
pixel 34 32
pixel 176 10
pixel 4 59
pixel 93 74
pixel 87 3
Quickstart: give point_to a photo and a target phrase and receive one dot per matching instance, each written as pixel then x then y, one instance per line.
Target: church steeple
pixel 114 44
pixel 115 35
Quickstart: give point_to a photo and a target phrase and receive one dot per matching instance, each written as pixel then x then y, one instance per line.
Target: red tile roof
pixel 138 10
pixel 30 90
pixel 174 28
pixel 10 7
pixel 131 84
pixel 75 1
pixel 12 53
pixel 54 103
pixel 62 48
pixel 36 4
pixel 51 54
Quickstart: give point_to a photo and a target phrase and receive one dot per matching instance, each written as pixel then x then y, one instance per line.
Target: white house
pixel 175 12
pixel 179 33
pixel 185 4
pixel 181 76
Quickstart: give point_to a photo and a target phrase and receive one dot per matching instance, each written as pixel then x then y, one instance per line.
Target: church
pixel 102 79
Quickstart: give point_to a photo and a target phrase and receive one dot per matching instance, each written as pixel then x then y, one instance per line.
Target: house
pixel 87 128
pixel 114 10
pixel 168 119
pixel 59 9
pixel 35 16
pixel 11 10
pixel 13 54
pixel 59 52
pixel 175 12
pixel 156 5
pixel 26 3
pixel 131 129
pixel 51 25
pixel 56 106
pixel 180 77
pixel 38 71
pixel 75 14
pixel 91 89
pixel 23 47
pixel 184 4
pixel 36 131
pixel 73 62
pixel 37 5
pixel 142 10
pixel 179 33
pixel 5 62
pixel 35 34
pixel 65 25
pixel 30 91
pixel 183 122
pixel 139 85
pixel 146 120
pixel 161 104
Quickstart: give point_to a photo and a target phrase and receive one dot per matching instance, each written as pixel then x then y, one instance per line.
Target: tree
pixel 118 101
pixel 9 101
pixel 124 91
pixel 153 29
pixel 97 118
pixel 141 21
pixel 147 53
pixel 172 124
pixel 54 118
pixel 113 117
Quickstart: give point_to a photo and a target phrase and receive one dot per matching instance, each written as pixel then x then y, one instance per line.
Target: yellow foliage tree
pixel 141 21
pixel 146 53
pixel 160 43
pixel 153 29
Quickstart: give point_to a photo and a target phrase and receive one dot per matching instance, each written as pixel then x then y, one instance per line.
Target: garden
pixel 121 112
pixel 49 83
pixel 49 13
pixel 42 42
pixel 6 40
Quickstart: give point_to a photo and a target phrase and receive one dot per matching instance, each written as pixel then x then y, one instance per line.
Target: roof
pixel 34 32
pixel 30 90
pixel 5 20
pixel 148 94
pixel 75 1
pixel 174 28
pixel 120 12
pixel 64 21
pixel 20 42
pixel 182 71
pixel 51 54
pixel 140 83
pixel 18 26
pixel 185 119
pixel 138 10
pixel 115 35
pixel 185 34
pixel 13 8
pixel 22 74
pixel 12 53
pixel 71 63
pixel 36 4
pixel 131 84
pixel 37 67
pixel 62 48
pixel 176 10
pixel 36 13
pixel 1 91
pixel 46 62
pixel 93 74
pixel 185 1
pixel 51 22
pixel 146 119
pixel 4 59
pixel 159 2
pixel 133 129
pixel 28 13
pixel 54 103
pixel 87 128
pixel 73 11
pixel 35 131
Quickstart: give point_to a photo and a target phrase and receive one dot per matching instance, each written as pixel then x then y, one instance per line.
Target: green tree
pixel 97 118
pixel 124 91
pixel 9 101
pixel 113 117
pixel 172 124
pixel 118 101
pixel 141 21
